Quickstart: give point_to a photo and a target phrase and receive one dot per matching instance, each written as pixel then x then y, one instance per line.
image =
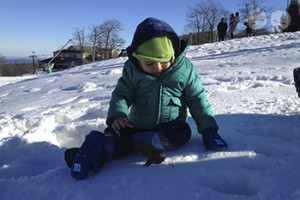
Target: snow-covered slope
pixel 250 86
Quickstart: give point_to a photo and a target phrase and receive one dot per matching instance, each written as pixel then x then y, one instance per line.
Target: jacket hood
pixel 148 29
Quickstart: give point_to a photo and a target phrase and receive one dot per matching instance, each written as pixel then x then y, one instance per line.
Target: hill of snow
pixel 250 85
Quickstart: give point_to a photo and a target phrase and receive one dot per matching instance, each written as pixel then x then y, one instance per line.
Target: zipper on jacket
pixel 159 100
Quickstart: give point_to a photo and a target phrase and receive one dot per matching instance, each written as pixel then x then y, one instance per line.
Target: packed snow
pixel 250 85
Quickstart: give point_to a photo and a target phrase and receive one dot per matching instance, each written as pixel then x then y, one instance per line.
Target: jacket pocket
pixel 174 107
pixel 175 102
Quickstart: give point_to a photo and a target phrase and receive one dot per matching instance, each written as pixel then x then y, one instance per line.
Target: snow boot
pixel 213 141
pixel 297 80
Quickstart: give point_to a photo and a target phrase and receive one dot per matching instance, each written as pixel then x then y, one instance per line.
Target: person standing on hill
pixel 248 29
pixel 297 80
pixel 222 29
pixel 234 20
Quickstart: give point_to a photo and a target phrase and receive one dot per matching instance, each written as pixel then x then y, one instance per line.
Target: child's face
pixel 155 68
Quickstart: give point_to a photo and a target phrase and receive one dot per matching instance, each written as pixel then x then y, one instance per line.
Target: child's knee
pixel 174 134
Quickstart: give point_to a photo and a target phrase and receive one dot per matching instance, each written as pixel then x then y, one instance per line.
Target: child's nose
pixel 157 67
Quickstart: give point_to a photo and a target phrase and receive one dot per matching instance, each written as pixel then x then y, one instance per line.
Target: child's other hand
pixel 121 122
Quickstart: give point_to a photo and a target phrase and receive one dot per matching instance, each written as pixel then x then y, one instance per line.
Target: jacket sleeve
pixel 122 96
pixel 195 98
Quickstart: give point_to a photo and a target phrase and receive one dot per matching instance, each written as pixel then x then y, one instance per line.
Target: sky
pixel 44 26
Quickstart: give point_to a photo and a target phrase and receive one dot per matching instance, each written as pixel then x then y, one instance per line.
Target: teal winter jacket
pixel 148 101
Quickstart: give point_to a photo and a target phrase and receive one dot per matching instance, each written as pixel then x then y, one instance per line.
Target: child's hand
pixel 121 122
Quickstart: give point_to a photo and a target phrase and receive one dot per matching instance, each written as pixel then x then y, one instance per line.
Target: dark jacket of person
pixel 222 28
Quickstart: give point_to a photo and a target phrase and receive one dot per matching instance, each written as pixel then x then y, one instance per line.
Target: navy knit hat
pixel 174 134
pixel 148 29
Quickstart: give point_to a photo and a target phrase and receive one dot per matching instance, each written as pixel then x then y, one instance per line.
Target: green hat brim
pixel 157 49
pixel 152 59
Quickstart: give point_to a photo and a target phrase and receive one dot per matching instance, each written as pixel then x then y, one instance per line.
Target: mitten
pixel 88 155
pixel 71 153
pixel 213 141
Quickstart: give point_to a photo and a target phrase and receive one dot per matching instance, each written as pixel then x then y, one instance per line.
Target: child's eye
pixel 149 64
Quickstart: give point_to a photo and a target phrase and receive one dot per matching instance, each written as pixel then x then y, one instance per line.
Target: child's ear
pixel 175 44
pixel 140 64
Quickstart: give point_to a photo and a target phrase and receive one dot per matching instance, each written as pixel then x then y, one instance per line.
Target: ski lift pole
pixel 33 63
pixel 48 64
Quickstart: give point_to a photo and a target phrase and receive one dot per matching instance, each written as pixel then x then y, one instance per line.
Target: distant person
pixel 222 29
pixel 248 29
pixel 234 20
pixel 297 80
pixel 148 107
pixel 231 19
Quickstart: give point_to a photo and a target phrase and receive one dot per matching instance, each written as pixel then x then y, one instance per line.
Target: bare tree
pixel 203 17
pixel 116 42
pixel 2 59
pixel 79 37
pixel 196 22
pixel 249 6
pixel 94 39
pixel 254 12
pixel 215 12
pixel 109 31
pixel 101 37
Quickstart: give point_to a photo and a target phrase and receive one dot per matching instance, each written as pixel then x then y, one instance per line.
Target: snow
pixel 250 85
